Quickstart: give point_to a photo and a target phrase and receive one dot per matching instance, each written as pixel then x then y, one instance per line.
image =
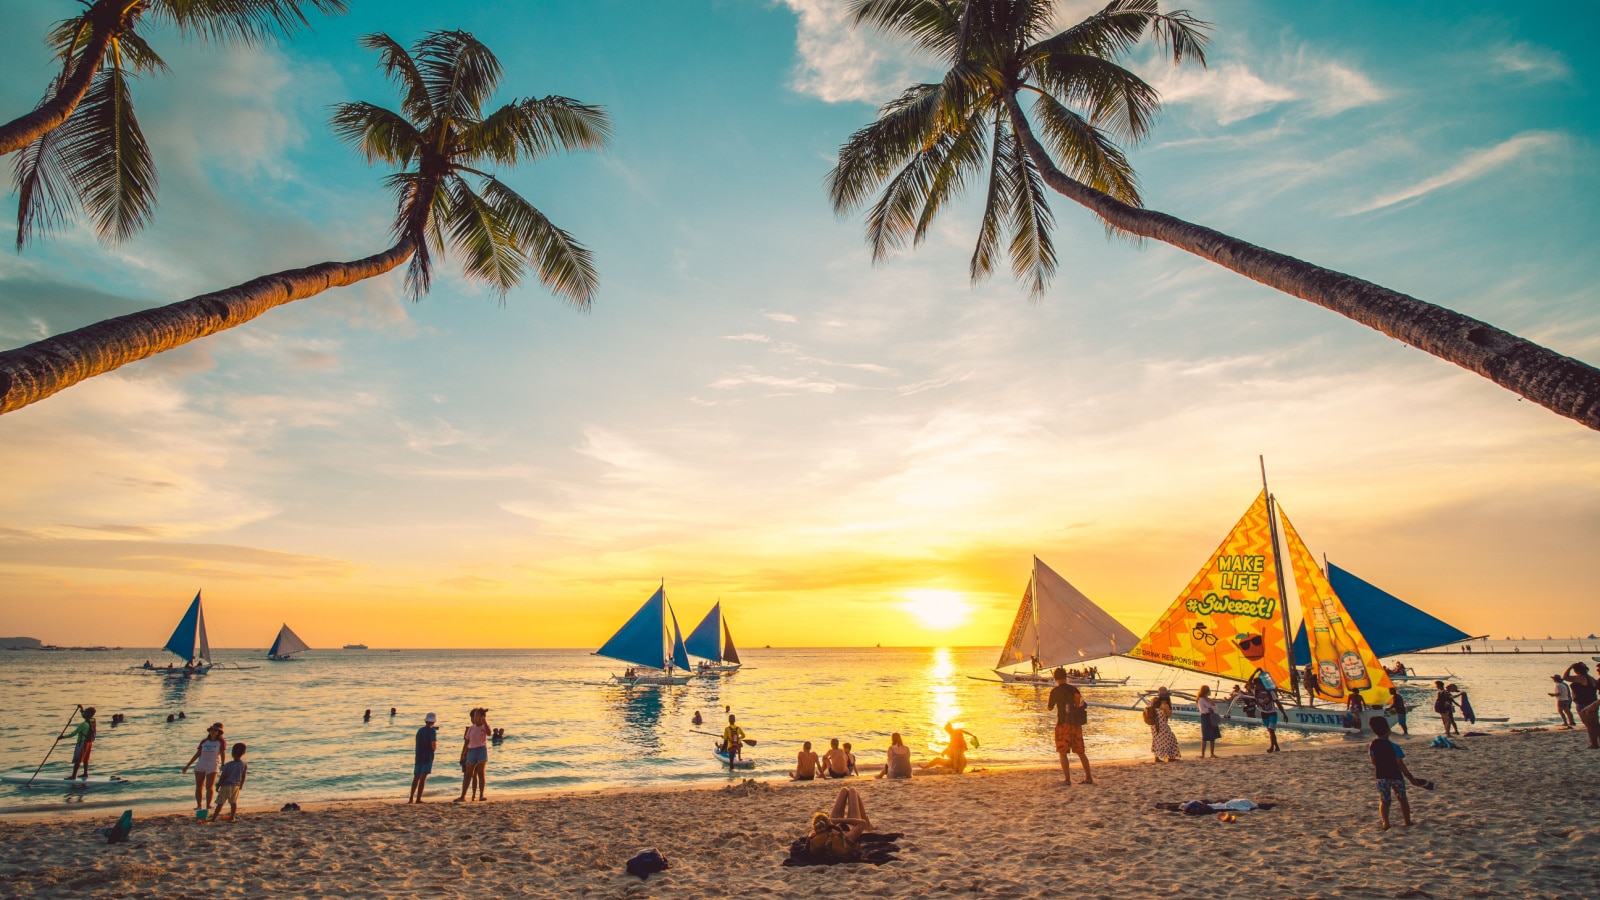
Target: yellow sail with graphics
pixel 1229 621
pixel 1342 659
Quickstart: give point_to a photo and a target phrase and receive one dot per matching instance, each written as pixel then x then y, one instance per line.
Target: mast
pixel 1033 594
pixel 1283 594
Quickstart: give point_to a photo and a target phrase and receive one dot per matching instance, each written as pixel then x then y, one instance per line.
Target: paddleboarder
pixel 85 734
pixel 732 741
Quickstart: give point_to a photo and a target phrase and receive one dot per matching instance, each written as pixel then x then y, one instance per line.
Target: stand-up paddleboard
pixel 740 763
pixel 62 781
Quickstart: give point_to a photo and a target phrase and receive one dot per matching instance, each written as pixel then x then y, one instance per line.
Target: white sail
pixel 1023 641
pixel 1071 627
pixel 288 642
pixel 200 628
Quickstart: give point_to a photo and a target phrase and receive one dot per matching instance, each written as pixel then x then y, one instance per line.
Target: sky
pixel 843 453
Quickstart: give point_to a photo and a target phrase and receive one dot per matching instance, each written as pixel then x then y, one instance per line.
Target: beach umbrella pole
pixel 75 710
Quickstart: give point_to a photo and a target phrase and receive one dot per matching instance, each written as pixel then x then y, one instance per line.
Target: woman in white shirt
pixel 207 757
pixel 1210 722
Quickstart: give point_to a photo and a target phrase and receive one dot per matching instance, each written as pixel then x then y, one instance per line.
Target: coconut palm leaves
pixel 442 141
pixel 82 148
pixel 448 199
pixel 935 139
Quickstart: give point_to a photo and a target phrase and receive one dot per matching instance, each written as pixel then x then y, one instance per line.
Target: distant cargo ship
pixel 355 646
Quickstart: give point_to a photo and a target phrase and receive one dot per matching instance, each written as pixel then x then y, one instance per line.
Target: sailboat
pixel 654 652
pixel 1392 626
pixel 702 642
pixel 286 645
pixel 1232 621
pixel 189 643
pixel 1057 625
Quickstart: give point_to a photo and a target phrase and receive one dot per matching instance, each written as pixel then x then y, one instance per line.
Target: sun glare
pixel 937 610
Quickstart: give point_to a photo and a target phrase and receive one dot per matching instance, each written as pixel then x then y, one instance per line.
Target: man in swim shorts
pixel 422 766
pixel 806 764
pixel 1072 712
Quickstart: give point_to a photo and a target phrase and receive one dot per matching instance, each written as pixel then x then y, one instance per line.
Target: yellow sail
pixel 1229 620
pixel 1344 663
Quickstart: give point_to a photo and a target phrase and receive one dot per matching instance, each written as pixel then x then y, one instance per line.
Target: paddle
pixel 77 709
pixel 751 741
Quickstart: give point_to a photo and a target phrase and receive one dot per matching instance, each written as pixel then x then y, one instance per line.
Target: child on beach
pixel 229 783
pixel 1389 766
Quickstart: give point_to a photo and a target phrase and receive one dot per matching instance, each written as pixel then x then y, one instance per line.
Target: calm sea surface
pixel 566 729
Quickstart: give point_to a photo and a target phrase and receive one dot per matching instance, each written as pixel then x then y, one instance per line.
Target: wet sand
pixel 1514 815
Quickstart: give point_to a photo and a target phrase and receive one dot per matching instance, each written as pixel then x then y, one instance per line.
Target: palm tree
pixel 82 146
pixel 928 143
pixel 440 140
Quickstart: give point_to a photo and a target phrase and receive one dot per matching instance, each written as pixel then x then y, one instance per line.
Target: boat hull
pixel 1041 680
pixel 662 680
pixel 715 670
pixel 740 763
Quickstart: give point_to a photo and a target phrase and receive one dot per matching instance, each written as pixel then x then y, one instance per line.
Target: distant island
pixel 21 643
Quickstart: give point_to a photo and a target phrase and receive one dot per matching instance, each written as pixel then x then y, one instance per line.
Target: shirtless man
pixel 806 764
pixel 836 762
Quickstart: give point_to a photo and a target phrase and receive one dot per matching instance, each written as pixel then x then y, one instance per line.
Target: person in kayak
pixel 85 734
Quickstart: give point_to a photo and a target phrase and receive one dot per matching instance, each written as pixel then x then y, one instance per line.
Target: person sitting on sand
pixel 835 763
pixel 899 759
pixel 953 758
pixel 1397 707
pixel 850 754
pixel 838 834
pixel 206 760
pixel 230 782
pixel 806 764
pixel 1445 706
pixel 1389 766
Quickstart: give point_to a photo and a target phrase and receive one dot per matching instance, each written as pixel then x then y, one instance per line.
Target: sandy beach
pixel 1513 816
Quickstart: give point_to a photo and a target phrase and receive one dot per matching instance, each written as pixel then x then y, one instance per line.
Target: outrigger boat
pixel 654 652
pixel 286 645
pixel 1056 624
pixel 1232 622
pixel 716 659
pixel 1393 626
pixel 188 643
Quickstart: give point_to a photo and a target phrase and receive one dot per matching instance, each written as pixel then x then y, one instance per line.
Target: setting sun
pixel 937 610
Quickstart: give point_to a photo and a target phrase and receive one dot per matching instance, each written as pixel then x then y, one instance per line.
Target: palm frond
pixel 529 130
pixel 1085 152
pixel 1118 28
pixel 871 155
pixel 964 156
pixel 489 250
pixel 933 25
pixel 400 68
pixel 565 266
pixel 105 155
pixel 380 134
pixel 996 209
pixel 1114 97
pixel 139 55
pixel 46 197
pixel 420 208
pixel 240 21
pixel 1033 257
pixel 459 72
pixel 68 37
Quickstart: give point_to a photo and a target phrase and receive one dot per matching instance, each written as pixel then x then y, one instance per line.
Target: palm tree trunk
pixel 1559 383
pixel 30 374
pixel 24 130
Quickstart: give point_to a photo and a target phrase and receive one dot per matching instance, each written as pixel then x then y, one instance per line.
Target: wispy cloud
pixel 1232 91
pixel 1532 62
pixel 840 63
pixel 748 336
pixel 781 384
pixel 1476 165
pixel 780 317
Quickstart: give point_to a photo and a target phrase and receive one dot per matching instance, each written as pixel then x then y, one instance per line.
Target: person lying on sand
pixel 806 764
pixel 899 763
pixel 836 762
pixel 838 833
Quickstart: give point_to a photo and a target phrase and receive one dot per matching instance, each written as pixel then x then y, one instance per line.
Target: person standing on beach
pixel 230 782
pixel 474 755
pixel 806 764
pixel 1586 700
pixel 85 734
pixel 427 742
pixel 1072 713
pixel 1389 766
pixel 1397 708
pixel 1158 715
pixel 1210 721
pixel 206 760
pixel 1563 695
pixel 1267 706
pixel 1445 706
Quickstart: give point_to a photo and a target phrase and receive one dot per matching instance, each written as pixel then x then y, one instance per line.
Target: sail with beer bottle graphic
pixel 1344 661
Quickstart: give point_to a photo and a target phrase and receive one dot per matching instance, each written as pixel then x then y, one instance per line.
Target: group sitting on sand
pixel 839 761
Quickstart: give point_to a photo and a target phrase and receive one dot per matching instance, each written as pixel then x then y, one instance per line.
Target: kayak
pixel 59 781
pixel 740 763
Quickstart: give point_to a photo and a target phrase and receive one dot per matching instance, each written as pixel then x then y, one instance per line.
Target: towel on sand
pixel 873 848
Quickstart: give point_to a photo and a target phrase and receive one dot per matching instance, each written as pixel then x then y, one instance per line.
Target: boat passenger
pixel 899 761
pixel 806 764
pixel 836 762
pixel 838 834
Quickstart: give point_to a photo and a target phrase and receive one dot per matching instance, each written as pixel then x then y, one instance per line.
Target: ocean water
pixel 566 729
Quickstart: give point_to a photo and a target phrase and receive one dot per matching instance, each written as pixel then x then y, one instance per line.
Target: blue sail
pixel 705 640
pixel 181 643
pixel 1390 625
pixel 639 640
pixel 680 656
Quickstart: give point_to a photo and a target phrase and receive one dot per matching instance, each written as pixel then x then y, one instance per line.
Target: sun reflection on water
pixel 943 703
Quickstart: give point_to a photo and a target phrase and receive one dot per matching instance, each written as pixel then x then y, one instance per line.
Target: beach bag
pixel 1078 715
pixel 646 864
pixel 1150 717
pixel 118 833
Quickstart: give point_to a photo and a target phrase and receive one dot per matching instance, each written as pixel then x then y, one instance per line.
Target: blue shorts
pixel 1270 720
pixel 477 755
pixel 422 768
pixel 1386 786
